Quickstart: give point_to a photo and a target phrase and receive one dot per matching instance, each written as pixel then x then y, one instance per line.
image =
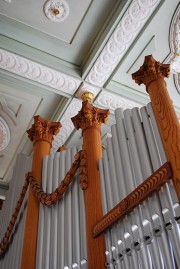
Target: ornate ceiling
pixel 52 51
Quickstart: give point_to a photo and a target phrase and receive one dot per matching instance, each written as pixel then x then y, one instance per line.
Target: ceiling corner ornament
pixel 56 10
pixel 174 42
pixel 37 72
pixel 4 134
pixel 113 101
pixel 121 39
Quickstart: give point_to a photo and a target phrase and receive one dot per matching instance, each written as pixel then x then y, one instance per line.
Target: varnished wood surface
pixel 169 126
pixel 93 204
pixel 28 261
pixel 150 185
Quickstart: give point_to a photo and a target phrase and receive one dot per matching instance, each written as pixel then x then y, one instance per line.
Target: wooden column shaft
pixel 152 74
pixel 89 119
pixel 95 248
pixel 41 133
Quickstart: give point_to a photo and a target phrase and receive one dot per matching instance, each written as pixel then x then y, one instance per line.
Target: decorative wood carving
pixel 152 74
pixel 151 70
pixel 150 185
pixel 89 119
pixel 83 171
pixel 90 116
pixel 43 130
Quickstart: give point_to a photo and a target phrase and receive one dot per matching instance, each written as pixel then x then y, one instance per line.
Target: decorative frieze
pixel 113 101
pixel 37 72
pixel 122 38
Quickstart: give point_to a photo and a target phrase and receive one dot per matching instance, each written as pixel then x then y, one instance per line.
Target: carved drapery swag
pixel 47 199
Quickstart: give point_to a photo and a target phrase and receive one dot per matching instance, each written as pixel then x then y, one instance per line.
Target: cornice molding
pixel 122 38
pixel 113 101
pixel 37 72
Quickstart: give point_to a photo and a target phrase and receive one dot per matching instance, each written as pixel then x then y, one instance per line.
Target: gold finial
pixel 56 11
pixel 87 96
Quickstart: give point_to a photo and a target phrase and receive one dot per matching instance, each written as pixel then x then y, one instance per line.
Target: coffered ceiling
pixel 53 51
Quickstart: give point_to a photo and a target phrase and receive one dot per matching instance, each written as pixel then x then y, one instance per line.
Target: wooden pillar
pixel 89 119
pixel 152 74
pixel 41 134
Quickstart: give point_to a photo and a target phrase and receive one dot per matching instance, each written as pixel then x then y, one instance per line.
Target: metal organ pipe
pixel 12 257
pixel 135 151
pixel 62 242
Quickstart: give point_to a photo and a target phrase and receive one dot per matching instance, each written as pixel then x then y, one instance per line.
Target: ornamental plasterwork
pixel 4 134
pixel 122 38
pixel 37 72
pixel 56 10
pixel 67 125
pixel 174 42
pixel 113 101
pixel 85 87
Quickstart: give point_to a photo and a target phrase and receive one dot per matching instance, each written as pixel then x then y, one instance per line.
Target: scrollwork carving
pixel 122 38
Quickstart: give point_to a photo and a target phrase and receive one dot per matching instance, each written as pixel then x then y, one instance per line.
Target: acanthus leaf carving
pixel 43 130
pixel 90 116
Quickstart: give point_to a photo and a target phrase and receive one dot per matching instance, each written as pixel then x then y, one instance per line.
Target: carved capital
pixel 151 70
pixel 90 116
pixel 43 130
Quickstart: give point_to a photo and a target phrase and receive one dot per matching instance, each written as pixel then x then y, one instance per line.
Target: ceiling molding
pixel 37 72
pixel 4 134
pixel 56 11
pixel 67 125
pixel 120 41
pixel 174 42
pixel 85 87
pixel 113 101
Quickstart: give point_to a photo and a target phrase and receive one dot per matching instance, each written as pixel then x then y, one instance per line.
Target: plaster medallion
pixel 56 10
pixel 4 134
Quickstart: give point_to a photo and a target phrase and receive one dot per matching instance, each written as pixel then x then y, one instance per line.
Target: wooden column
pixel 152 74
pixel 41 134
pixel 89 119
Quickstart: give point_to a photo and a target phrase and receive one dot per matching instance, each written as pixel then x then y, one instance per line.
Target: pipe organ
pixel 12 257
pixel 125 213
pixel 149 237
